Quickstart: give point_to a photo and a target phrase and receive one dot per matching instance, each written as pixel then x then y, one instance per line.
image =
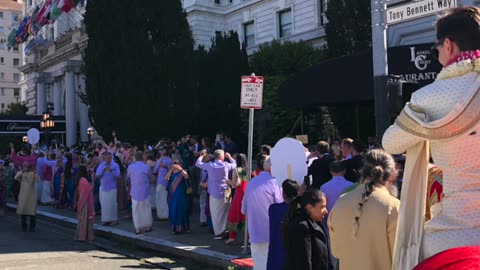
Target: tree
pixel 277 61
pixel 16 109
pixel 219 72
pixel 349 27
pixel 138 68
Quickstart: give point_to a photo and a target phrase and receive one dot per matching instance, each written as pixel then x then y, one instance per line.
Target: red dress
pixel 236 219
pixel 461 258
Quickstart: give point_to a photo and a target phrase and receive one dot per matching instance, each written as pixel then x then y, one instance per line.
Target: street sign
pixel 414 10
pixel 252 92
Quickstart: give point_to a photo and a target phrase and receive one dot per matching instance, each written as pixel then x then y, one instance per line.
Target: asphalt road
pixel 52 247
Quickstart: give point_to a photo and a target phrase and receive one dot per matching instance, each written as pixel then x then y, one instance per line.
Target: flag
pixel 44 13
pixel 11 40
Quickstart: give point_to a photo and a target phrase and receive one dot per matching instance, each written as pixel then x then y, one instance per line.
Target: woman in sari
pixel 58 184
pixel 84 205
pixel 177 198
pixel 444 118
pixel 236 220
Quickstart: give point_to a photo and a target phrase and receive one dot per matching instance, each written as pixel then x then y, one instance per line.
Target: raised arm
pixel 200 164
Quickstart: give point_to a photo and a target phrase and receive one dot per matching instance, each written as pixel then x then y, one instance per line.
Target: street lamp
pixel 90 132
pixel 25 139
pixel 47 123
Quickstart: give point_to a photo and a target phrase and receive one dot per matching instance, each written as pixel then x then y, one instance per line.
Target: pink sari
pixel 85 211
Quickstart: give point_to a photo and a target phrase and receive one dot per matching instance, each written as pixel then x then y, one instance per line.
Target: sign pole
pixel 380 65
pixel 250 154
pixel 251 98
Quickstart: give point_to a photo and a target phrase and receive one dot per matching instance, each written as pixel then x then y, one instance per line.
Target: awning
pixel 347 79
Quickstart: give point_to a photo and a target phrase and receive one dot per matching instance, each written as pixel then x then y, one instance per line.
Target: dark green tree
pixel 138 66
pixel 219 72
pixel 349 28
pixel 277 61
pixel 16 109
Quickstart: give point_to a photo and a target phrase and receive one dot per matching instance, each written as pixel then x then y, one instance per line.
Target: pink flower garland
pixel 472 55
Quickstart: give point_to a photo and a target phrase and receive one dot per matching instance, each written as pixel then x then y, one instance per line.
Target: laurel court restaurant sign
pixel 20 125
pixel 413 63
pixel 414 10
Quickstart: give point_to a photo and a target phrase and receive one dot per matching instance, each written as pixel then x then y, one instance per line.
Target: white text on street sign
pixel 418 9
pixel 252 92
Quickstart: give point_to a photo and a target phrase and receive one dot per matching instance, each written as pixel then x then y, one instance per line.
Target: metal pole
pixel 249 172
pixel 380 65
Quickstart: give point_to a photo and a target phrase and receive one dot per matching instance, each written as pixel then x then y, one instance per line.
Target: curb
pixel 203 256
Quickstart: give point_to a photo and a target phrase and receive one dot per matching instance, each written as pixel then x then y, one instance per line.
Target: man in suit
pixel 320 168
pixel 354 164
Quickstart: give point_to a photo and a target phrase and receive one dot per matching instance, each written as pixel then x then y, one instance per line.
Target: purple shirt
pixel 262 191
pixel 162 171
pixel 217 175
pixel 333 189
pixel 108 181
pixel 139 174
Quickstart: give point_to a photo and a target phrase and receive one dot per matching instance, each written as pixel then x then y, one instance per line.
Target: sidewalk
pixel 199 246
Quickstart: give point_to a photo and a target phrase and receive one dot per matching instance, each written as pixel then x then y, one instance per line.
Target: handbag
pixel 227 196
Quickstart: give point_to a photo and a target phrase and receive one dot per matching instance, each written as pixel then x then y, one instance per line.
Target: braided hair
pixel 378 169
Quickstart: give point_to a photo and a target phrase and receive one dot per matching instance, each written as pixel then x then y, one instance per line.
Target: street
pixel 52 247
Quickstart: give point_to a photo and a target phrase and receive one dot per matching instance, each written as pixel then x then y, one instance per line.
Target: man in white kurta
pixel 161 169
pixel 108 172
pixel 139 173
pixel 442 118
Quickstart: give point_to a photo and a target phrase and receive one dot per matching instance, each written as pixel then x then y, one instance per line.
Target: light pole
pixel 90 132
pixel 46 124
pixel 25 139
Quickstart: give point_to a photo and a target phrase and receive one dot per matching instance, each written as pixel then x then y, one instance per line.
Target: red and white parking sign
pixel 252 92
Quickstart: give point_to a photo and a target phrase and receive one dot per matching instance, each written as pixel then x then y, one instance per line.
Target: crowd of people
pixel 359 207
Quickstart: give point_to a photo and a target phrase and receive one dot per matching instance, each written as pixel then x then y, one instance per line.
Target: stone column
pixel 41 97
pixel 57 97
pixel 83 111
pixel 70 108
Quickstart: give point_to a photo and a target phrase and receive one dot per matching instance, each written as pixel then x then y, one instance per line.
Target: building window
pixel 2 60
pixel 16 62
pixel 322 8
pixel 3 106
pixel 16 92
pixel 249 34
pixel 285 23
pixel 14 17
pixel 30 2
pixel 15 48
pixel 2 91
pixel 16 77
pixel 217 2
pixel 52 33
pixel 2 31
pixel 2 45
pixel 2 76
pixel 1 14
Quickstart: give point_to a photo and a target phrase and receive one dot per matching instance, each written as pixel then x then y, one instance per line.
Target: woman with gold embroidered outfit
pixel 444 118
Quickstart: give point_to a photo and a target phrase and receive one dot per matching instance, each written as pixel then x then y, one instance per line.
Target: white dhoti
pixel 259 255
pixel 142 214
pixel 161 202
pixel 203 204
pixel 39 187
pixel 153 195
pixel 108 201
pixel 46 195
pixel 219 211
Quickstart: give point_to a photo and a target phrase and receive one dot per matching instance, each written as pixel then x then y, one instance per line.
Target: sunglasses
pixel 434 48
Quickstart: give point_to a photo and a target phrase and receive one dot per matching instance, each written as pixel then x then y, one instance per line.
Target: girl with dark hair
pixel 276 213
pixel 235 219
pixel 304 239
pixel 363 222
pixel 84 203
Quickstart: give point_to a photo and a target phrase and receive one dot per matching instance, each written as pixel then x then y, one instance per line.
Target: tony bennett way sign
pixel 414 10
